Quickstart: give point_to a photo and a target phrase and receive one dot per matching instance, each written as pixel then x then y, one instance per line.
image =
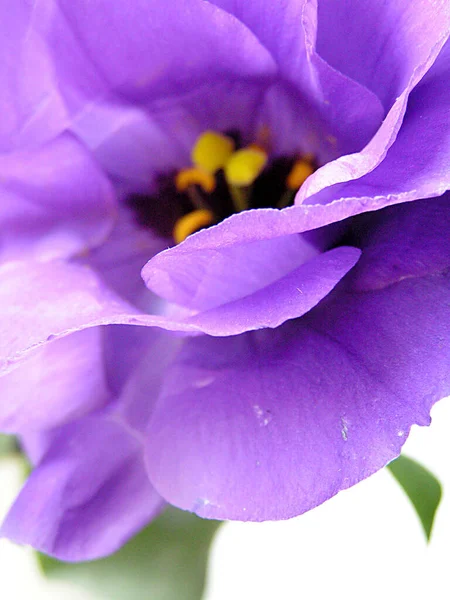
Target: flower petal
pixel 408 171
pixel 146 370
pixel 87 497
pixel 56 384
pixel 298 413
pixel 397 246
pixel 130 85
pixel 380 45
pixel 280 28
pixel 377 152
pixel 289 297
pixel 223 274
pixel 119 260
pixel 46 301
pixel 45 197
pixel 346 111
pixel 30 103
pixel 270 424
pixel 129 49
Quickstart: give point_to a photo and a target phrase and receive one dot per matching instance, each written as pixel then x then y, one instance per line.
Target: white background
pixel 365 543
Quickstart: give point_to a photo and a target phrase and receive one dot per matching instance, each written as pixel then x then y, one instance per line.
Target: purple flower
pixel 271 359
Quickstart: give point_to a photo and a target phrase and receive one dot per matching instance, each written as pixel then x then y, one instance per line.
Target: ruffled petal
pixel 397 245
pixel 130 50
pixel 297 414
pixel 288 297
pixel 136 360
pixel 353 167
pixel 55 202
pixel 416 165
pixel 239 256
pixel 381 45
pixel 30 103
pixel 268 425
pixel 120 259
pixel 345 112
pixel 224 274
pixel 87 497
pixel 59 383
pixel 42 302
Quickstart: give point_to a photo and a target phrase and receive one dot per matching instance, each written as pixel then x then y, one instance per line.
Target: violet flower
pixel 271 359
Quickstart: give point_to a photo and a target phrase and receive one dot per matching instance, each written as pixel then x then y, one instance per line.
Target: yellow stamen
pixel 212 151
pixel 193 176
pixel 190 223
pixel 301 170
pixel 245 166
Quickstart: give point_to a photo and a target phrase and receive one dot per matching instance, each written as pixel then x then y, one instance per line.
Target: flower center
pixel 225 177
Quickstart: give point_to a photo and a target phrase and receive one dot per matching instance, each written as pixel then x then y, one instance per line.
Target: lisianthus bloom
pixel 257 160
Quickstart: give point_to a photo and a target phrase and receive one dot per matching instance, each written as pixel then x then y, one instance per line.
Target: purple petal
pixel 45 301
pixel 354 166
pixel 397 245
pixel 87 497
pixel 129 49
pixel 134 360
pixel 295 125
pixel 345 113
pixel 268 425
pixel 30 104
pixel 287 298
pixel 224 274
pixel 348 112
pixel 46 195
pixel 408 172
pixel 352 113
pixel 299 413
pixel 280 27
pixel 139 357
pixel 240 255
pixel 56 384
pixel 380 45
pixel 120 259
pixel 36 443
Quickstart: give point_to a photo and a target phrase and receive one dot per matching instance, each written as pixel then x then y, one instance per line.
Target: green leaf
pixel 166 561
pixel 7 444
pixel 422 487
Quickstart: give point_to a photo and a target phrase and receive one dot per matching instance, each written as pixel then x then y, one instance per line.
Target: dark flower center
pixel 226 177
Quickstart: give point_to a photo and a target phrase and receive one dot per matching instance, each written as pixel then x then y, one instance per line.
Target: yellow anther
pixel 212 151
pixel 190 223
pixel 245 166
pixel 187 177
pixel 301 170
